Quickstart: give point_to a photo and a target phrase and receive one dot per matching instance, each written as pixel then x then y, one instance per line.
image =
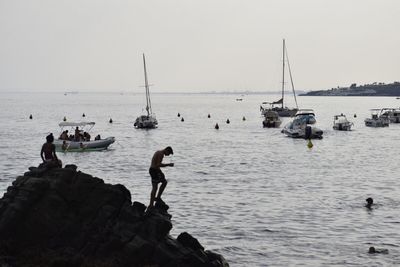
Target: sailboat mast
pixel 146 84
pixel 291 79
pixel 283 71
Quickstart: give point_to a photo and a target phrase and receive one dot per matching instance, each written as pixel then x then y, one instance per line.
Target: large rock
pixel 63 217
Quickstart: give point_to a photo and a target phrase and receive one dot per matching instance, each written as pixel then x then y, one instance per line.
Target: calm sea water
pixel 251 194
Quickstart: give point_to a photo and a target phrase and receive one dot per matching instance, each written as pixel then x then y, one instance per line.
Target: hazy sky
pixel 195 46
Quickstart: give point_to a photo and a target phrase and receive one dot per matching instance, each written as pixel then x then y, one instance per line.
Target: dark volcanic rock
pixel 61 217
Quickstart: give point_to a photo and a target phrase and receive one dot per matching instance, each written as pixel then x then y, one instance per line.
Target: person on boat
pixel 157 176
pixel 97 137
pixel 48 153
pixel 64 135
pixel 77 134
pixel 86 136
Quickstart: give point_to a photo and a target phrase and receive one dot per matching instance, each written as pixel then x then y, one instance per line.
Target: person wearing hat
pixel 48 153
pixel 157 176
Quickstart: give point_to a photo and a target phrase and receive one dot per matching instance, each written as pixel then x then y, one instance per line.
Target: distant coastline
pixel 374 89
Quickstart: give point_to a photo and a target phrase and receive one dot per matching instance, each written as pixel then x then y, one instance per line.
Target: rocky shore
pixel 375 89
pixel 64 217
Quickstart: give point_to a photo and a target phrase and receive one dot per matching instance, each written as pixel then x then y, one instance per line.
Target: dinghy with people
pixel 79 138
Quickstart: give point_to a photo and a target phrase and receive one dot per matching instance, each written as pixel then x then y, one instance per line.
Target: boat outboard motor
pixel 308 132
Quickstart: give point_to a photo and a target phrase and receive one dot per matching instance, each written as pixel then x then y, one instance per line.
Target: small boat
pixel 378 119
pixel 278 105
pixel 393 114
pixel 341 123
pixel 80 144
pixel 301 126
pixel 271 119
pixel 149 120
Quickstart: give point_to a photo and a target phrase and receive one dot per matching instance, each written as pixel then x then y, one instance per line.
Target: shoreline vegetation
pixel 374 89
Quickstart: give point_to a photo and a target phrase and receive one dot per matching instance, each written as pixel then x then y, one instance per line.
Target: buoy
pixel 355 115
pixel 110 121
pixel 209 116
pixel 216 126
pixel 83 115
pixel 179 114
pixel 244 118
pixel 65 118
pixel 30 116
pixel 182 119
pixel 228 121
pixel 309 144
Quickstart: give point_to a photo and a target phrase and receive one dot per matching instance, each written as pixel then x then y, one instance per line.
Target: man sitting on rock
pixel 157 176
pixel 48 153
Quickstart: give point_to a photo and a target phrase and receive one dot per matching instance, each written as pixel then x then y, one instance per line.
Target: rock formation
pixel 64 217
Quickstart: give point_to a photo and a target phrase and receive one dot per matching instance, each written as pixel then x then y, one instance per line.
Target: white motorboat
pixel 302 126
pixel 378 119
pixel 279 106
pixel 271 119
pixel 80 143
pixel 393 114
pixel 341 123
pixel 149 120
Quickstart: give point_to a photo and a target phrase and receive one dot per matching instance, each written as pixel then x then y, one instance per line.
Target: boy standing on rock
pixel 157 176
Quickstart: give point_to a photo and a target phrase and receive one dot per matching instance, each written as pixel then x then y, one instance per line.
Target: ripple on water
pixel 249 193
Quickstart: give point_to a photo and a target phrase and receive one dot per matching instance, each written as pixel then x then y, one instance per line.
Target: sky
pixel 196 46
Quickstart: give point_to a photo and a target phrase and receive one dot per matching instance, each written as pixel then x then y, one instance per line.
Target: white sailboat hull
pixel 145 122
pixel 81 146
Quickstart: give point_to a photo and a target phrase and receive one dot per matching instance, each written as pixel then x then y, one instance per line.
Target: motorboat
pixel 393 114
pixel 378 118
pixel 302 126
pixel 341 123
pixel 278 105
pixel 271 119
pixel 83 142
pixel 149 120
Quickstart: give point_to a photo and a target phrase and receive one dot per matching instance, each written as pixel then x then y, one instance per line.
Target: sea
pixel 250 193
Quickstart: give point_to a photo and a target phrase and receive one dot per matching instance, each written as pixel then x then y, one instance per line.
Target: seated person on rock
pixel 48 153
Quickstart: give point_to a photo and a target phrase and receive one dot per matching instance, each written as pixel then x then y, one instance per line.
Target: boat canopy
pixel 72 124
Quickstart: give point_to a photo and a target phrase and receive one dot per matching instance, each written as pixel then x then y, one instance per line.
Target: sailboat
pixel 278 105
pixel 148 121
